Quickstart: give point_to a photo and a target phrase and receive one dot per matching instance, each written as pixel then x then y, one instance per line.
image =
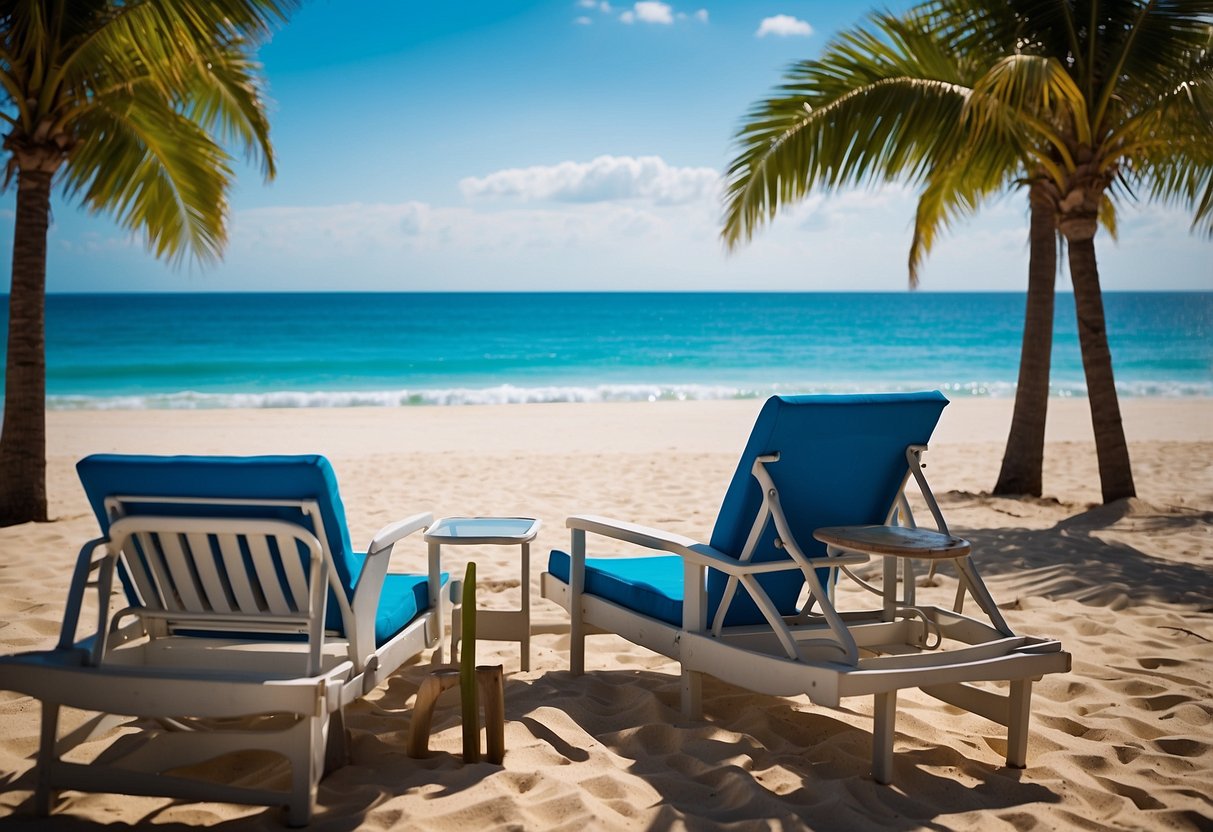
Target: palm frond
pixel 1027 91
pixel 1166 147
pixel 957 189
pixel 879 105
pixel 1202 185
pixel 157 173
pixel 1183 180
pixel 165 43
pixel 142 96
pixel 1108 217
pixel 226 97
pixel 890 129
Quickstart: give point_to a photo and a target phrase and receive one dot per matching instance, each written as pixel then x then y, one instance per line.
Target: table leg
pixel 526 608
pixel 437 603
pixel 456 619
pixel 889 588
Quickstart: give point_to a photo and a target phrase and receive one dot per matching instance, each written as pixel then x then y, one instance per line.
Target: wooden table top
pixel 894 540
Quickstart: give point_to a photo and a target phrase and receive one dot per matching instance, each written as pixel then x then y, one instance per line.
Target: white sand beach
pixel 1124 741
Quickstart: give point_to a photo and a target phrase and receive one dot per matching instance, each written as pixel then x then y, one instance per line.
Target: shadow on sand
pixel 1091 556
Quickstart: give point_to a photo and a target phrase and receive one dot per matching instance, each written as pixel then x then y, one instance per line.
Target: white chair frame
pixel 827 655
pixel 135 663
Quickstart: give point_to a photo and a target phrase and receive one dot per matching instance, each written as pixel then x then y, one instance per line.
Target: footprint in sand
pixel 1182 746
pixel 1163 702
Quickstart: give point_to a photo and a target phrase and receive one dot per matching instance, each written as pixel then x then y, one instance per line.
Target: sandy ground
pixel 1125 740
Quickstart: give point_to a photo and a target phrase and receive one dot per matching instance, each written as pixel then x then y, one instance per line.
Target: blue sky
pixel 570 145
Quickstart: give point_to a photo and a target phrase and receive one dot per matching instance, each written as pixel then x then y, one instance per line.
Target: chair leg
pixel 692 694
pixel 44 794
pixel 576 613
pixel 307 766
pixel 337 752
pixel 576 635
pixel 885 720
pixel 1019 714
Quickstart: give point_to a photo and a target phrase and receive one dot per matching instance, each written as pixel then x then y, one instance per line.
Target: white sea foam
pixel 512 394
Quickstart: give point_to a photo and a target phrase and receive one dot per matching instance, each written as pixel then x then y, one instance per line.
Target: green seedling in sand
pixel 467 669
pixel 473 682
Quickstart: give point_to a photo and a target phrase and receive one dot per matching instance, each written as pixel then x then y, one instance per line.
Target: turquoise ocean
pixel 356 349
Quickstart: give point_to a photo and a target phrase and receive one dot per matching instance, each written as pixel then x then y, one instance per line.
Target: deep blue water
pixel 242 350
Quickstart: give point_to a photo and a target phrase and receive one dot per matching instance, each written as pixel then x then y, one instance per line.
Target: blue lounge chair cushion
pixel 649 585
pixel 304 477
pixel 403 598
pixel 842 461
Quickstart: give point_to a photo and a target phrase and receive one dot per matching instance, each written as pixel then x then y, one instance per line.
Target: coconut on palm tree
pixel 128 105
pixel 967 99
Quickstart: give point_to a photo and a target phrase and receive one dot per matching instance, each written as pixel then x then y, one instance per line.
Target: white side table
pixel 492 625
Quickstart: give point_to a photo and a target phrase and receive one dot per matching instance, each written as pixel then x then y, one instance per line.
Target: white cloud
pixel 783 25
pixel 411 233
pixel 607 178
pixel 855 240
pixel 651 239
pixel 583 21
pixel 650 11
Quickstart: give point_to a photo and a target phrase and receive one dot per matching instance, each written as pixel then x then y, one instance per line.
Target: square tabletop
pixel 472 530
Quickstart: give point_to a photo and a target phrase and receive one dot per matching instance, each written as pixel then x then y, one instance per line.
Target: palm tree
pixel 129 105
pixel 1022 467
pixel 965 97
pixel 899 87
pixel 1122 95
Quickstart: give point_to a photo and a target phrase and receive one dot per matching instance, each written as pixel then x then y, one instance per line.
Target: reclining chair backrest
pixel 303 478
pixel 841 462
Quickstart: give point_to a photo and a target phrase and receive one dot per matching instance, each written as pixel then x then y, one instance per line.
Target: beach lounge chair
pixel 247 622
pixel 756 607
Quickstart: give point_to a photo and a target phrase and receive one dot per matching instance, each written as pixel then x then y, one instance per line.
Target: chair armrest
pixel 698 553
pixel 365 603
pixel 631 533
pixel 86 564
pixel 386 537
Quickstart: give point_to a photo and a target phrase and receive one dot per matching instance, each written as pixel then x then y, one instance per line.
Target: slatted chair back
pixel 842 461
pixel 298 490
pixel 229 576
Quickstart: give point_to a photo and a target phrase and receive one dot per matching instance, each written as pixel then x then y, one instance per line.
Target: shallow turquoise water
pixel 229 350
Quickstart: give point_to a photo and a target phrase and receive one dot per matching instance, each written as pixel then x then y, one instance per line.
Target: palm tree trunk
pixel 23 435
pixel 1115 472
pixel 1024 456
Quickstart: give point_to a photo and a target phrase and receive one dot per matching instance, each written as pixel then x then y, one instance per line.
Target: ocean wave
pixel 500 394
pixel 513 394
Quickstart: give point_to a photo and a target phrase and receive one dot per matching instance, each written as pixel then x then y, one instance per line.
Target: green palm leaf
pixel 157 172
pixel 130 105
pixel 870 110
